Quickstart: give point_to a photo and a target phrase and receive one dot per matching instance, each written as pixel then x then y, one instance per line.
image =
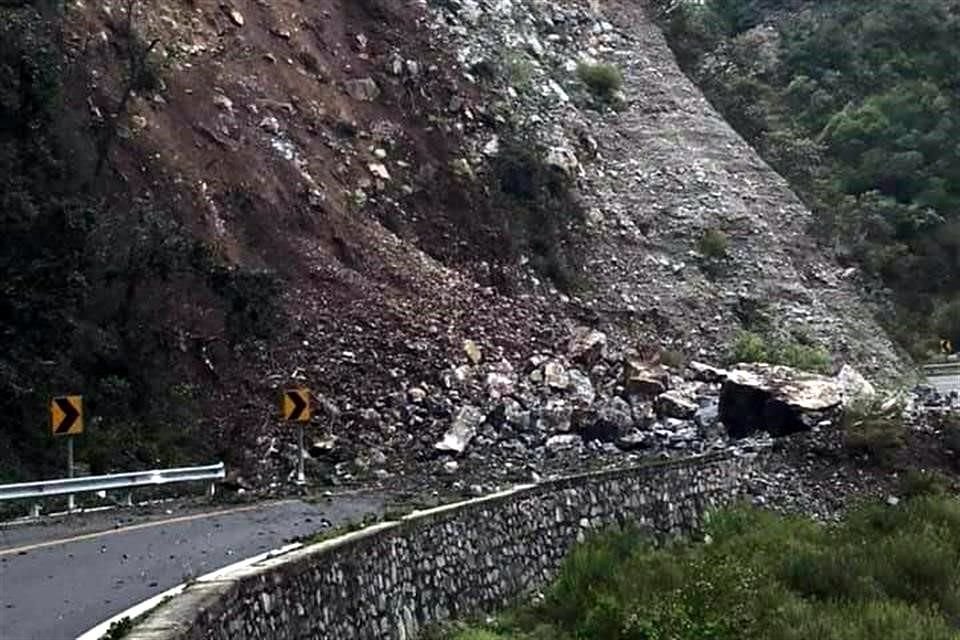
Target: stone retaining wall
pixel 390 579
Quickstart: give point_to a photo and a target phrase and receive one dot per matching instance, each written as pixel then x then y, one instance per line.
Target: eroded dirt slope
pixel 350 148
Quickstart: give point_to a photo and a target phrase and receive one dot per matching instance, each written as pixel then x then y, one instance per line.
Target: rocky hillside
pixel 430 215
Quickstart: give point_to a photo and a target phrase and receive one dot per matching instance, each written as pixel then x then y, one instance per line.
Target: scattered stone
pixel 235 16
pixel 362 89
pixel 223 102
pixel 562 158
pixel 472 349
pixel 586 346
pixel 613 420
pixel 854 387
pixel 270 124
pixel 461 432
pixel 644 380
pixel 581 389
pixel 706 373
pixel 563 441
pixel 555 375
pixel 515 415
pixel 556 416
pixel 499 384
pixel 634 440
pixel 674 405
pixel 379 170
pixel 492 148
pixel 707 417
pixel 451 466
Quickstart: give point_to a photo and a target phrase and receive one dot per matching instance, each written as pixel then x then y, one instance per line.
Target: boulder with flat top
pixel 776 399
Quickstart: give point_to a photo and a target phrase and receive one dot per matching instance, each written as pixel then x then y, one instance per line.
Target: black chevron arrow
pixel 70 415
pixel 299 405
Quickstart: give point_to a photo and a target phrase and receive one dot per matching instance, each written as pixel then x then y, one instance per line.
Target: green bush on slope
pixel 891 572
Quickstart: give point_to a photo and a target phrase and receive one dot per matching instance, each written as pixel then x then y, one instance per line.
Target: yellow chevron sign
pixel 296 405
pixel 66 415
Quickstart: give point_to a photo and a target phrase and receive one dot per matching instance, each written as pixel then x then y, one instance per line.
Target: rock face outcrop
pixel 778 400
pixel 657 167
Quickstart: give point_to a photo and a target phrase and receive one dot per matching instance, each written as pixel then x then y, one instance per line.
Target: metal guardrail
pixel 128 481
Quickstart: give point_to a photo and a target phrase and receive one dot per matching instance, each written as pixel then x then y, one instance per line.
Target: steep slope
pixel 667 168
pixel 375 165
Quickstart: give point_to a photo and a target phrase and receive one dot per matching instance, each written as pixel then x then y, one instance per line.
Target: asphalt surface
pixel 946 381
pixel 58 580
pixel 945 384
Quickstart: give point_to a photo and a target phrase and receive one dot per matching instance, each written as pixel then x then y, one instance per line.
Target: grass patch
pixel 603 80
pixel 714 244
pixel 883 572
pixel 749 346
pixel 872 430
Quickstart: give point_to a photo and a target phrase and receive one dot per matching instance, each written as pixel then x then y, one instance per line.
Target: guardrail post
pixel 211 489
pixel 71 501
pixel 128 499
pixel 35 510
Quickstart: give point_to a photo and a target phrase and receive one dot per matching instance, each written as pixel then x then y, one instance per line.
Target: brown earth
pixel 257 143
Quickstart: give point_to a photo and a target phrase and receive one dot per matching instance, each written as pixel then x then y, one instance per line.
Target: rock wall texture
pixel 656 171
pixel 389 580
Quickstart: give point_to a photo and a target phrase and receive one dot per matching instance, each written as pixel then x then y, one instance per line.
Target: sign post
pixel 66 419
pixel 296 408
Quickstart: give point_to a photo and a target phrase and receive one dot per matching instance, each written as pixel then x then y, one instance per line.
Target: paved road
pixel 944 379
pixel 56 583
pixel 945 384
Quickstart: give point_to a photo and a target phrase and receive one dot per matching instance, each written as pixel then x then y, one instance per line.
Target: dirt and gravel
pixel 350 148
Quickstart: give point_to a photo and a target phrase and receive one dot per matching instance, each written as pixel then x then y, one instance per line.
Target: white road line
pixel 137 610
pixel 137 527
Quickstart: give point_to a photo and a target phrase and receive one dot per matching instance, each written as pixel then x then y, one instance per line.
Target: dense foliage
pixel 858 105
pixel 885 572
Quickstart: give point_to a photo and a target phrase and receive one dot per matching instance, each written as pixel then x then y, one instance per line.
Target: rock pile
pixel 491 421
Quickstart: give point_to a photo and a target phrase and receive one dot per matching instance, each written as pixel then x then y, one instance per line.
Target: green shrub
pixel 714 244
pixel 520 70
pixel 950 434
pixel 882 572
pixel 801 356
pixel 870 430
pixel 749 346
pixel 603 80
pixel 915 483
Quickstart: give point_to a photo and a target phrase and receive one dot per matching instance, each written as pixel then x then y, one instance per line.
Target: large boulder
pixel 461 432
pixel 854 387
pixel 582 392
pixel 613 419
pixel 644 380
pixel 706 373
pixel 555 375
pixel 586 345
pixel 555 416
pixel 776 399
pixel 674 404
